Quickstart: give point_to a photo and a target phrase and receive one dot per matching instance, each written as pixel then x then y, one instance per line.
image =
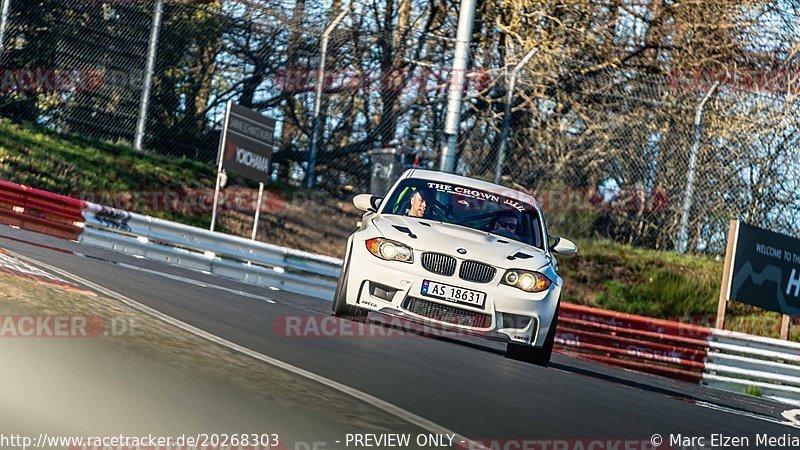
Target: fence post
pixel 683 233
pixel 316 120
pixel 512 84
pixel 455 98
pixel 152 50
pixel 3 25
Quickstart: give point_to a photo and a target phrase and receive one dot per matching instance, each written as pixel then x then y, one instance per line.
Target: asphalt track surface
pixel 466 386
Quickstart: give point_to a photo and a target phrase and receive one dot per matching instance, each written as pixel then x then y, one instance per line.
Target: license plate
pixel 453 294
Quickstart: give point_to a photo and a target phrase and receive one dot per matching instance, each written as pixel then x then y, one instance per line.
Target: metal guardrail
pixel 720 359
pixel 738 361
pixel 716 358
pixel 40 211
pixel 634 342
pixel 230 256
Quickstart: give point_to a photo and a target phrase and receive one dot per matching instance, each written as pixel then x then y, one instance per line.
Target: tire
pixel 533 355
pixel 340 306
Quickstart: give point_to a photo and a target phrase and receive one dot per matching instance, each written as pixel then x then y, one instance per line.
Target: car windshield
pixel 468 207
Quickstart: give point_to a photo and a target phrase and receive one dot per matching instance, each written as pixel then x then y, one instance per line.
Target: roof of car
pixel 469 182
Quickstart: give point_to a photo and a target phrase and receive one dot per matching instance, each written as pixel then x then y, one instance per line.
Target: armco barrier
pixel 716 358
pixel 40 211
pixel 230 256
pixel 656 346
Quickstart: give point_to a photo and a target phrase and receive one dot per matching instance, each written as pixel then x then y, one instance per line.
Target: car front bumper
pixel 395 288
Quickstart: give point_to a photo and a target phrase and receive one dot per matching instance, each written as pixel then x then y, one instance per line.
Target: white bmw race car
pixel 460 254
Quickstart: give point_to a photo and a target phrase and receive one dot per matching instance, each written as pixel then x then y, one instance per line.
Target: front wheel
pixel 340 306
pixel 539 356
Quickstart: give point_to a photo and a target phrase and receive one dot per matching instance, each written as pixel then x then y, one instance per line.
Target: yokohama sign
pixel 247 143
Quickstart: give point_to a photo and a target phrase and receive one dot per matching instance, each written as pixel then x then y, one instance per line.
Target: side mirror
pixel 563 246
pixel 367 202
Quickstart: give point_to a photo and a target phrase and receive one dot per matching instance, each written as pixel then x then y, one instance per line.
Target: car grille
pixel 447 314
pixel 439 263
pixel 476 272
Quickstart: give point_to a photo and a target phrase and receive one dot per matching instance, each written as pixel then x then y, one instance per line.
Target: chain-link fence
pixel 609 151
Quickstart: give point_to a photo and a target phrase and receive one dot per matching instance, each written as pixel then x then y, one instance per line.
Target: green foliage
pixel 43 159
pixel 755 391
pixel 638 281
pixel 664 293
pixel 81 167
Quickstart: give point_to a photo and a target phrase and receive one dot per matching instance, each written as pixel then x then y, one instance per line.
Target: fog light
pixel 384 293
pixel 515 321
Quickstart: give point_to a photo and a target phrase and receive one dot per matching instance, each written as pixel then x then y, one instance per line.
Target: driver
pixel 419 203
pixel 505 223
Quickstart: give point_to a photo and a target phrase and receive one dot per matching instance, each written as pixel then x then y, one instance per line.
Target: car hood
pixel 446 238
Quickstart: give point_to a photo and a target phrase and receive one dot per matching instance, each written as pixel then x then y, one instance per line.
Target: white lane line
pixel 198 283
pixel 747 414
pixel 383 405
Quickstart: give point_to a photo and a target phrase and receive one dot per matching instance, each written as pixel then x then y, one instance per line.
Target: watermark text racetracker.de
pixel 201 441
pixel 317 326
pixel 67 326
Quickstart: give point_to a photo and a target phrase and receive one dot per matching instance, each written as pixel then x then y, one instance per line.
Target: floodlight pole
pixel 466 19
pixel 4 25
pixel 683 232
pixel 512 84
pixel 152 50
pixel 316 122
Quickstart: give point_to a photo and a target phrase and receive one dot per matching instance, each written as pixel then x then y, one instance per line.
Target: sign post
pixel 724 292
pixel 762 269
pixel 258 210
pixel 786 322
pixel 245 149
pixel 219 164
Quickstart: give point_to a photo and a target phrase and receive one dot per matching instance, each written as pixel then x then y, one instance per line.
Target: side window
pixel 403 200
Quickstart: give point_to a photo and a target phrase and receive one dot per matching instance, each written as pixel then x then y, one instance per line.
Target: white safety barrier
pixel 743 362
pixel 195 248
pixel 721 359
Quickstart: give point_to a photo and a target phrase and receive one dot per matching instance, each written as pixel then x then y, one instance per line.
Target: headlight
pixel 390 250
pixel 525 280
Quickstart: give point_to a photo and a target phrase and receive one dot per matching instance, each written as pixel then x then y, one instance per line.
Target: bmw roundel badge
pixel 462 251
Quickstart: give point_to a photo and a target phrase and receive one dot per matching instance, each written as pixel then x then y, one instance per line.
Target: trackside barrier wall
pixel 641 343
pixel 717 358
pixel 230 256
pixel 40 211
